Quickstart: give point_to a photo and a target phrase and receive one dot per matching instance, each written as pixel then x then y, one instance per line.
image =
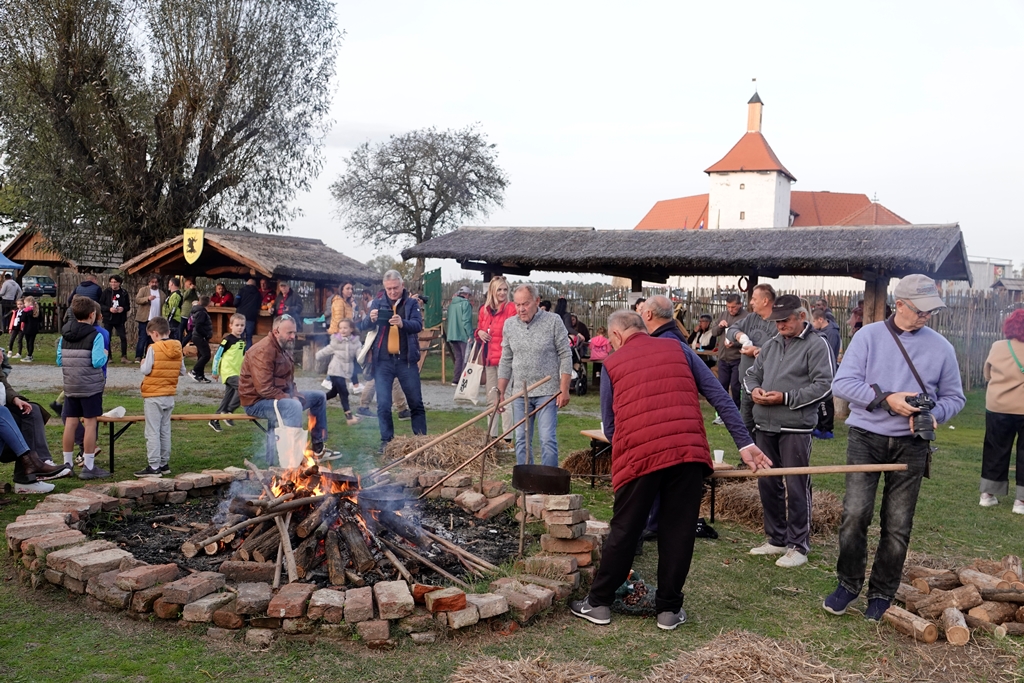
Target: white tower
pixel 749 185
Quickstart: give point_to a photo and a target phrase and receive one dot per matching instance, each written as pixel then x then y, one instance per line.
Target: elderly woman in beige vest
pixel 1004 414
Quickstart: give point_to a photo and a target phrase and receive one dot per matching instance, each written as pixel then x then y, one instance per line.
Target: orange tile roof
pixel 751 153
pixel 674 214
pixel 874 214
pixel 825 208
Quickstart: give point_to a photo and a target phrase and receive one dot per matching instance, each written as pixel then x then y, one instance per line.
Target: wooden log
pixel 241 506
pixel 1008 595
pixel 196 542
pixel 990 567
pixel 917 572
pixel 994 630
pixel 963 598
pixel 461 552
pixel 946 581
pixel 360 555
pixel 1013 628
pixel 403 527
pixel 214 548
pixel 954 626
pixel 398 565
pixel 1019 615
pixel 306 558
pixel 335 562
pixel 323 511
pixel 278 563
pixel 910 596
pixel 994 612
pixel 354 578
pixel 981 579
pixel 265 550
pixel 1012 565
pixel 1017 585
pixel 245 550
pixel 408 552
pixel 912 625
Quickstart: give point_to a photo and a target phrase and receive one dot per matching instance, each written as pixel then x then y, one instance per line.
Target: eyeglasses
pixel 919 312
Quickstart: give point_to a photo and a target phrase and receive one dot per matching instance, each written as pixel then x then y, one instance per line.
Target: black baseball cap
pixel 785 306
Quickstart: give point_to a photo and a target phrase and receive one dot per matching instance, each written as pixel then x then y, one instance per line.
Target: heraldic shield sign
pixel 192 244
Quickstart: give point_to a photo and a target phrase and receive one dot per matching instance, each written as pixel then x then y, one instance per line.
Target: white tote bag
pixel 371 336
pixel 291 443
pixel 468 388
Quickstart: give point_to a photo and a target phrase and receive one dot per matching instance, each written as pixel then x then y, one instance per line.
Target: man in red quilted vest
pixel 650 404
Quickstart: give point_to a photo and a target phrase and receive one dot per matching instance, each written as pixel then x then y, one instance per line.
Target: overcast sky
pixel 600 109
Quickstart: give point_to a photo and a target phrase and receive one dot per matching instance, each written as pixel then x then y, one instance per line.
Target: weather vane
pixel 754 81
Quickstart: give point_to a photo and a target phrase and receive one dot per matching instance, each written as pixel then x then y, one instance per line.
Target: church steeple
pixel 754 114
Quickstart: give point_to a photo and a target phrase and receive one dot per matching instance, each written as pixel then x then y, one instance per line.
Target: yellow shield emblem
pixel 192 244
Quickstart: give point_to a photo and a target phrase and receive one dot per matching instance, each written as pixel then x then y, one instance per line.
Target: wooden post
pixel 876 292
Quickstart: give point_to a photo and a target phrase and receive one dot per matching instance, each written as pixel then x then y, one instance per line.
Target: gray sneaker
pixel 96 472
pixel 669 620
pixel 598 615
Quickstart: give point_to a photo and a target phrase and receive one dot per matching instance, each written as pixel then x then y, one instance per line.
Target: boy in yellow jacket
pixel 163 365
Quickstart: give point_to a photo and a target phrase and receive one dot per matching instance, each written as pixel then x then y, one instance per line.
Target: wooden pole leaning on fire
pixel 289 553
pixel 450 433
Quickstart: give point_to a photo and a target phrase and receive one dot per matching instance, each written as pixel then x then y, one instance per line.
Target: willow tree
pixel 418 185
pixel 137 118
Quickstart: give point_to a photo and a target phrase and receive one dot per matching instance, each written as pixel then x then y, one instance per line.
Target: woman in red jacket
pixel 493 314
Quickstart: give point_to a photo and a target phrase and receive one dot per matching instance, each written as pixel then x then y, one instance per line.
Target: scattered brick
pixel 470 500
pixel 460 481
pixel 463 617
pixel 407 478
pixel 165 609
pixel 130 489
pixel 297 626
pixel 84 567
pixel 394 600
pixel 424 638
pixel 566 516
pixel 146 576
pixel 358 605
pixel 428 479
pixel 265 622
pixel 596 528
pixel 142 601
pixel 567 531
pixel 445 600
pixel 492 489
pixel 253 598
pixel 39 546
pixel 59 558
pixel 176 497
pixel 191 588
pixel 487 604
pixel 417 622
pixel 260 637
pixel 451 493
pixel 549 565
pixel 497 505
pixel 550 544
pixel 247 572
pixel 373 631
pixel 328 605
pixel 421 589
pixel 202 609
pixel 569 501
pixel 291 600
pixel 18 532
pixel 227 616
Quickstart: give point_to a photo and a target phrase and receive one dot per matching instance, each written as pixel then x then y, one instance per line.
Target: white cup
pixel 719 456
pixel 602 427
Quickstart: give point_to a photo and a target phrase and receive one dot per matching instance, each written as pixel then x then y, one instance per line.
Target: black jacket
pixel 90 289
pixel 294 303
pixel 247 302
pixel 669 329
pixel 202 326
pixel 109 299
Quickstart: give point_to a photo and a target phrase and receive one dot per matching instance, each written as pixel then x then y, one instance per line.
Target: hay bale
pixel 741 656
pixel 738 501
pixel 578 462
pixel 531 670
pixel 446 455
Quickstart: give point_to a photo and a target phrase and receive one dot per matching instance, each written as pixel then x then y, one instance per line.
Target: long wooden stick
pixel 398 565
pixel 487 447
pixel 282 527
pixel 450 433
pixel 419 558
pixel 459 551
pixel 816 469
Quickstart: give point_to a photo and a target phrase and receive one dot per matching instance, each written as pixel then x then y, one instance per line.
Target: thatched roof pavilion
pixel 872 253
pixel 31 249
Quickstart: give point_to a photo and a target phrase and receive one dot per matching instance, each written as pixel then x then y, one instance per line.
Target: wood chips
pixel 446 455
pixel 739 501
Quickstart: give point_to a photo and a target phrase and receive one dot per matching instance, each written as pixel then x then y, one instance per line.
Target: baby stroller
pixel 578 383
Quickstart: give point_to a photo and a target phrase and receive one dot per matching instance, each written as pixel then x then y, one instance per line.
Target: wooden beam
pixel 235 270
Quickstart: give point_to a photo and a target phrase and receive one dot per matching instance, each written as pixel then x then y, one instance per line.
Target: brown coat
pixel 1005 380
pixel 267 373
pixel 142 303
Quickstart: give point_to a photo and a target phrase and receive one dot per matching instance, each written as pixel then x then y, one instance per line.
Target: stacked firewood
pixel 985 595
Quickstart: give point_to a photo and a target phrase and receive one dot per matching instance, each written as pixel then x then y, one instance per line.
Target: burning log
pixel 335 562
pixel 362 560
pixel 911 625
pixel 955 627
pixel 192 546
pixel 461 553
pixel 398 565
pixel 402 527
pixel 306 558
pixel 944 581
pixel 241 506
pixel 325 511
pixel 244 551
pixel 354 578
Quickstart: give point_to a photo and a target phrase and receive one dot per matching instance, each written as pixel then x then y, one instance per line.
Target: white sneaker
pixel 326 384
pixel 988 500
pixel 768 549
pixel 718 421
pixel 357 389
pixel 1018 507
pixel 115 412
pixel 34 487
pixel 16 355
pixel 792 558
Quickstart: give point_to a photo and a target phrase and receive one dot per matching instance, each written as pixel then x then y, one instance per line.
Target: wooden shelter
pixel 238 254
pixel 874 254
pixel 31 249
pixel 1013 286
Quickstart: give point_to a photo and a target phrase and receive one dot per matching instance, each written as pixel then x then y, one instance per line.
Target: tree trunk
pixel 335 562
pixel 954 626
pixel 910 596
pixel 982 580
pixel 994 612
pixel 362 560
pixel 917 628
pixel 945 581
pixel 963 598
pixel 1009 595
pixel 1012 565
pixel 997 632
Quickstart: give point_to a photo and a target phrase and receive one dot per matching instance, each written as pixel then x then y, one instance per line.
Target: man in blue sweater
pixel 877 381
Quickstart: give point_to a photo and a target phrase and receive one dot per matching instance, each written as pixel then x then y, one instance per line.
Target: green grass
pixel 51 636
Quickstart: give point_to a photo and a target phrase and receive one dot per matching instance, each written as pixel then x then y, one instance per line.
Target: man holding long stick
pixel 650 404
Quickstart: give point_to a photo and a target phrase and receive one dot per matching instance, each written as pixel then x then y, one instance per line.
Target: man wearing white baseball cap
pixel 901 379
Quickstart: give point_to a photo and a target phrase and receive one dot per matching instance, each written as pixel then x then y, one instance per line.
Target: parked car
pixel 38 285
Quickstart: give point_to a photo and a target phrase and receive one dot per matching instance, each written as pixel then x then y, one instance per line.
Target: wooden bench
pixel 129 420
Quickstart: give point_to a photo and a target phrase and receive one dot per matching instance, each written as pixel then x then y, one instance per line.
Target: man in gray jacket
pixel 750 334
pixel 791 375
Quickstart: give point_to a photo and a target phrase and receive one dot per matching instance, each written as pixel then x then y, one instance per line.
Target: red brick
pixel 56 516
pixel 166 610
pixel 74 585
pixel 142 601
pixel 463 617
pixel 202 609
pixel 130 489
pixel 58 559
pixel 549 565
pixel 358 605
pixel 106 502
pixel 103 588
pixel 373 631
pixel 177 497
pixel 56 578
pixel 226 617
pixel 290 602
pixel 297 626
pixel 497 505
pixel 248 572
pixel 596 528
pixel 524 607
pixel 76 510
pixel 146 576
pixel 264 622
pixel 327 604
pixel 493 489
pixel 41 545
pixel 192 587
pixel 545 595
pixel 445 600
pixel 428 479
pixel 566 530
pixel 420 620
pixel 420 589
pixel 568 501
pixel 488 604
pixel 550 544
pixel 394 600
pixel 470 500
pixel 566 516
pixel 253 598
pixel 84 567
pixel 197 480
pixel 562 588
pixel 94 505
pixel 18 532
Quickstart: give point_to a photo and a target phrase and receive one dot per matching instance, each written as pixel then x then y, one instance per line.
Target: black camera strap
pixel 890 324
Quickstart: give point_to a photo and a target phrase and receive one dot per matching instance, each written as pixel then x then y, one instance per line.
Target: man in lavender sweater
pixel 876 379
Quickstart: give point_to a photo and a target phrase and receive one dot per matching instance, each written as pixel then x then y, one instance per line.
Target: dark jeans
pixel 786 500
pixel 681 487
pixel 729 376
pixel 747 411
pixel 1001 429
pixel 17 336
pixel 231 401
pixel 386 369
pixel 30 343
pixel 250 327
pixel 202 356
pixel 34 430
pixel 899 499
pixel 827 415
pixel 459 356
pixel 143 342
pixel 339 389
pixel 117 328
pixel 355 372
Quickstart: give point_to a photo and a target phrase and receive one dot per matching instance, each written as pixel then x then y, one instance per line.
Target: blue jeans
pixel 250 327
pixel 291 412
pixel 143 341
pixel 546 422
pixel 10 433
pixel 899 500
pixel 385 371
